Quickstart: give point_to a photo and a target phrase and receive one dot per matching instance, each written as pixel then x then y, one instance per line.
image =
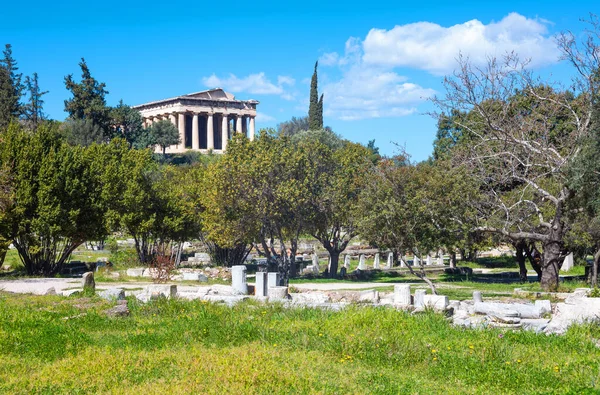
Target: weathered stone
pixel 361 262
pixel 278 293
pixel 416 261
pixel 437 302
pixel 402 294
pixel 6 268
pixel 315 263
pixel 568 263
pixel 239 282
pixel 544 306
pixel 376 262
pixel 477 298
pixel 428 260
pixel 390 261
pixel 535 324
pixel 194 276
pixel 309 298
pixel 229 300
pixel 347 261
pixel 260 288
pixel 508 310
pixel 112 294
pixel 50 291
pixel 576 311
pixel 505 320
pixel 420 298
pixel 87 281
pixel 402 262
pixel 369 295
pixel 167 291
pixel 119 310
pixel 273 280
pixel 135 272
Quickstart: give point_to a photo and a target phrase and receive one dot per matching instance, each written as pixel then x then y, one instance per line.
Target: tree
pixel 82 132
pixel 11 88
pixel 57 200
pixel 33 110
pixel 374 156
pixel 164 134
pixel 334 192
pixel 525 135
pixel 257 194
pixel 315 109
pixel 293 126
pixel 88 101
pixel 128 124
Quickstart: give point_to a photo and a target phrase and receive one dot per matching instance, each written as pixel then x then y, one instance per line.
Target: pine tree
pixel 88 102
pixel 33 109
pixel 11 88
pixel 315 109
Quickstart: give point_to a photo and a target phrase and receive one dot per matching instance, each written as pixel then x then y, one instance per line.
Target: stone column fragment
pixel 210 132
pixel 224 132
pixel 239 282
pixel 251 132
pixel 181 126
pixel 195 133
pixel 376 262
pixel 260 288
pixel 402 294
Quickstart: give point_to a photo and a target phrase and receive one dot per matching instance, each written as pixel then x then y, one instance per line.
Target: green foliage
pixel 315 109
pixel 127 123
pixel 52 346
pixel 33 112
pixel 11 88
pixel 83 132
pixel 88 101
pixel 164 134
pixel 58 201
pixel 293 126
pixel 323 136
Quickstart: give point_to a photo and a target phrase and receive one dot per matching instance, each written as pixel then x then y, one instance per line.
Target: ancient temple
pixel 206 120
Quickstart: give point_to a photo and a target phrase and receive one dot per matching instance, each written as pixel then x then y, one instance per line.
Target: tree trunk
pixel 520 255
pixel 551 257
pixel 452 258
pixel 334 256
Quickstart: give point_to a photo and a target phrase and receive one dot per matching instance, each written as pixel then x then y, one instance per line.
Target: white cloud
pixel 434 48
pixel 254 83
pixel 329 59
pixel 365 92
pixel 261 117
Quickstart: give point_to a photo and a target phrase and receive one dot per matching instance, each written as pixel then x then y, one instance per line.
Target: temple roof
pixel 211 94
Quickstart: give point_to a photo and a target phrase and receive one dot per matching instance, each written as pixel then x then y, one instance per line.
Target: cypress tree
pixel 11 88
pixel 33 109
pixel 315 110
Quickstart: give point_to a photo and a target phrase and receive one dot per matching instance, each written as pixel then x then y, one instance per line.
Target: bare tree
pixel 523 134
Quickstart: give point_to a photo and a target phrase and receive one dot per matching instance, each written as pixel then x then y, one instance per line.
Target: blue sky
pixel 379 61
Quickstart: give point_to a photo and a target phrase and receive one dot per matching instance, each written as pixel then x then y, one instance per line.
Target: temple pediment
pixel 212 94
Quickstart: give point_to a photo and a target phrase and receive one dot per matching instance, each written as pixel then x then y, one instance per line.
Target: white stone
pixel 567 263
pixel 376 262
pixel 347 262
pixel 544 306
pixel 112 294
pixel 420 298
pixel 402 262
pixel 135 272
pixel 194 276
pixel 278 293
pixel 361 262
pixel 440 260
pixel 239 282
pixel 390 261
pixel 428 260
pixel 315 263
pixel 416 261
pixel 169 291
pixel 508 309
pixel 477 297
pixel 402 294
pixel 437 302
pixel 577 311
pixel 370 295
pixel 260 287
pixel 273 280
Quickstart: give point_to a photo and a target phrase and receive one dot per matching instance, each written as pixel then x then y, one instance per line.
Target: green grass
pixel 56 345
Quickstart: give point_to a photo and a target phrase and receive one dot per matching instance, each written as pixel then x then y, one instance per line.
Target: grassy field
pixel 54 345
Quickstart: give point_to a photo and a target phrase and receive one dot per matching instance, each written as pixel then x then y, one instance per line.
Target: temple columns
pixel 195 133
pixel 238 126
pixel 173 119
pixel 210 132
pixel 181 126
pixel 251 131
pixel 224 132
